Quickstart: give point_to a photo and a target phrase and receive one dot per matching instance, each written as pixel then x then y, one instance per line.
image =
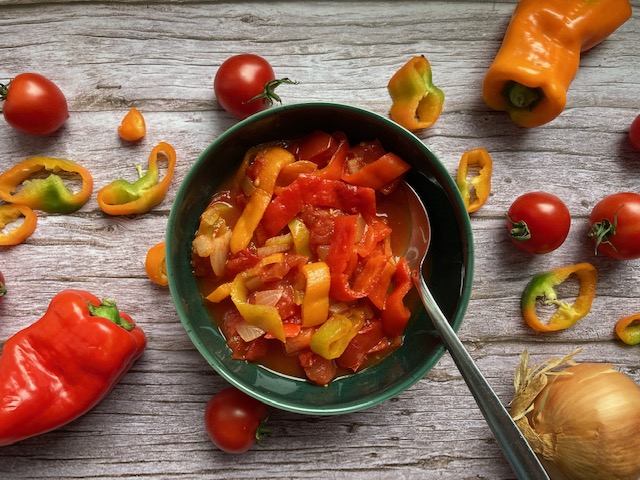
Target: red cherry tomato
pixel 33 104
pixel 538 222
pixel 234 420
pixel 3 287
pixel 245 84
pixel 615 226
pixel 634 133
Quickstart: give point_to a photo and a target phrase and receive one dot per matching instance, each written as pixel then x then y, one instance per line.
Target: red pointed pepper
pixel 61 366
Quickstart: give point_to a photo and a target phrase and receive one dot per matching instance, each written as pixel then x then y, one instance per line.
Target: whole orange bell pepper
pixel 540 55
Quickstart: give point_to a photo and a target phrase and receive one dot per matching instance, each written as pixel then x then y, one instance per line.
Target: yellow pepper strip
pixel 481 182
pixel 10 214
pixel 417 102
pixel 274 158
pixel 301 236
pixel 220 293
pixel 156 264
pixel 315 304
pixel 265 317
pixel 121 197
pixel 333 336
pixel 48 194
pixel 542 286
pixel 628 329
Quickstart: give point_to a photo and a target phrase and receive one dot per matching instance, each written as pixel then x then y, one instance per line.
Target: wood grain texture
pixel 161 57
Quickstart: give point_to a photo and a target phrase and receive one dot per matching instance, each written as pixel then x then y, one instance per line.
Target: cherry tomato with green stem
pixel 33 104
pixel 245 84
pixel 235 421
pixel 634 133
pixel 538 222
pixel 614 226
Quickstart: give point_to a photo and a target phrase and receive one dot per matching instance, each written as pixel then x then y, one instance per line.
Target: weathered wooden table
pixel 161 57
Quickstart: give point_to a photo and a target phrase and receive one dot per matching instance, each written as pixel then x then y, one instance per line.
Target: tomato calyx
pixel 269 94
pixel 4 90
pixel 263 432
pixel 602 231
pixel 519 231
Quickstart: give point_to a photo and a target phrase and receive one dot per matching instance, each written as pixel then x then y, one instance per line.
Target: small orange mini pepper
pixel 121 197
pixel 417 102
pixel 133 127
pixel 12 213
pixel 628 329
pixel 156 264
pixel 481 182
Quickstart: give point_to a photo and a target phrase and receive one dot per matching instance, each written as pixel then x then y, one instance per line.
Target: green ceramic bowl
pixel 451 259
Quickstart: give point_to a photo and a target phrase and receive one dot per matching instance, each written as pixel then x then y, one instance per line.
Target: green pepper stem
pixel 520 97
pixel 108 309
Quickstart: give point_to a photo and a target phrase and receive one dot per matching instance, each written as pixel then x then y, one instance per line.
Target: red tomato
pixel 3 288
pixel 234 420
pixel 634 133
pixel 245 84
pixel 538 222
pixel 615 226
pixel 33 104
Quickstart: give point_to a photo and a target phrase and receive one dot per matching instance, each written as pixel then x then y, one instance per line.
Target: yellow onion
pixel 583 418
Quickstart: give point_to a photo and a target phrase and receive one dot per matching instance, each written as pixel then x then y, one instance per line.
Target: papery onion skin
pixel 588 423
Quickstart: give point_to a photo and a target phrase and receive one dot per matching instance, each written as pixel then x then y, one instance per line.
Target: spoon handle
pixel 523 461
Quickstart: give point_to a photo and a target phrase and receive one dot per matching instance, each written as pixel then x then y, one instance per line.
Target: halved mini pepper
pixel 63 365
pixel 12 213
pixel 481 183
pixel 543 286
pixel 628 329
pixel 122 197
pixel 540 55
pixel 48 194
pixel 417 102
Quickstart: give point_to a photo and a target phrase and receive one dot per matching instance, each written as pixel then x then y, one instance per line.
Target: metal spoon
pixel 523 461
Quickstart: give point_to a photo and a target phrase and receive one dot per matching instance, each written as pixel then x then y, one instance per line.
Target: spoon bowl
pixel 523 460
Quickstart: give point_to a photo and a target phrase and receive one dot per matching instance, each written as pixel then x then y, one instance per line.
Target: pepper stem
pixel 520 97
pixel 108 309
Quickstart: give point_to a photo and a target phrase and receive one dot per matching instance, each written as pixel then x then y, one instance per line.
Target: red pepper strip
pixel 628 329
pixel 11 213
pixel 380 292
pixel 309 190
pixel 342 260
pixel 48 194
pixel 61 366
pixel 378 173
pixel 542 286
pixel 395 314
pixel 335 167
pixel 121 197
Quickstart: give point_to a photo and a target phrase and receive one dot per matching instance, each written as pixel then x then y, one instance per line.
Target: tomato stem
pixel 268 94
pixel 519 231
pixel 4 90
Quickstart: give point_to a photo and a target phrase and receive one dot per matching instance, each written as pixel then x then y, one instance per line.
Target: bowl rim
pixel 408 380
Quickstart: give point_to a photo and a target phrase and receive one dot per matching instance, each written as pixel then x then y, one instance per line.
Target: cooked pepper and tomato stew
pixel 300 256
